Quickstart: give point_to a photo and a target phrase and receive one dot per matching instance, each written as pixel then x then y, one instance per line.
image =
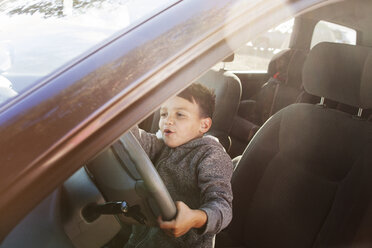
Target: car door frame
pixel 77 111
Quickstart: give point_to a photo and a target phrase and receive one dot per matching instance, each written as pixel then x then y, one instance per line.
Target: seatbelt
pixel 277 83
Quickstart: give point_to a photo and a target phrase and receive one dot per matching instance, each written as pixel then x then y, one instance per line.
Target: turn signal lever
pixel 92 211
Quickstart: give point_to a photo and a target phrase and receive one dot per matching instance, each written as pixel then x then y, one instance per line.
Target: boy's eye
pixel 163 114
pixel 180 115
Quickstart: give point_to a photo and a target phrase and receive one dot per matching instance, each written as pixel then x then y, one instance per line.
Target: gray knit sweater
pixel 197 173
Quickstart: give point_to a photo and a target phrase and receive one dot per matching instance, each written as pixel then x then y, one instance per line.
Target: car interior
pixel 299 134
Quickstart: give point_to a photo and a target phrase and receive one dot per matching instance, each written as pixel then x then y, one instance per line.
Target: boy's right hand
pixel 185 220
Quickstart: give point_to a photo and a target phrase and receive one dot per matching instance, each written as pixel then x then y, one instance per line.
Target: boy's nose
pixel 169 120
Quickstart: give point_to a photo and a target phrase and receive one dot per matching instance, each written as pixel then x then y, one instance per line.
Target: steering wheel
pixel 124 172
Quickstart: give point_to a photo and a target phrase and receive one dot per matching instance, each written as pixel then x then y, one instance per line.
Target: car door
pixel 79 108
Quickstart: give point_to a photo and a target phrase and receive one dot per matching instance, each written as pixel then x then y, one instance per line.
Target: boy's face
pixel 180 121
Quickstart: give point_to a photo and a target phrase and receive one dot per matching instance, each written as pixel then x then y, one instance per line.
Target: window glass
pixel 39 36
pixel 255 55
pixel 327 31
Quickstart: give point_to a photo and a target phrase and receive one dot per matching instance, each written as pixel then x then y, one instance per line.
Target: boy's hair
pixel 202 96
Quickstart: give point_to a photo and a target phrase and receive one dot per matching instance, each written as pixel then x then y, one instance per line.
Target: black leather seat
pixel 304 180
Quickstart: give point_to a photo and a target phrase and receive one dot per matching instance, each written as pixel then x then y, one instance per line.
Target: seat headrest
pixel 279 62
pixel 340 72
pixel 227 88
pixel 288 63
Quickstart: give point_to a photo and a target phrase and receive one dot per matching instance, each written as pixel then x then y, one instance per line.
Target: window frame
pixel 80 122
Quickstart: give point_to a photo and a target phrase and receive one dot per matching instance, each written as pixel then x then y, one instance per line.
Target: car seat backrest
pixel 304 179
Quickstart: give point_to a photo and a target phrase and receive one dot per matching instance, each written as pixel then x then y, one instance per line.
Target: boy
pixel 195 169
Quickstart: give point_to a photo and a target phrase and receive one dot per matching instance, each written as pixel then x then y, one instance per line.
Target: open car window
pixel 37 37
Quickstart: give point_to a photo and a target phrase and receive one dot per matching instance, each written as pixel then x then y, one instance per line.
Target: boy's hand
pixel 185 220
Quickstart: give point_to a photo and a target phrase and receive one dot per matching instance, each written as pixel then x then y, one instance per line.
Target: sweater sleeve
pixel 149 142
pixel 214 180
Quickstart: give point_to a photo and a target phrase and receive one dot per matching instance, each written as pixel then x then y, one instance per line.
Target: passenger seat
pixel 305 178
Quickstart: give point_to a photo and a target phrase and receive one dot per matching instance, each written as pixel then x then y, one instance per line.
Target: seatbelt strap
pixel 275 94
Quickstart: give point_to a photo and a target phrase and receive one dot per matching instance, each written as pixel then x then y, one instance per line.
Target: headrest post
pixel 360 111
pixel 321 101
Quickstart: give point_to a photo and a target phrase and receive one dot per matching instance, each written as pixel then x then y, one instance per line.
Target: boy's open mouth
pixel 167 131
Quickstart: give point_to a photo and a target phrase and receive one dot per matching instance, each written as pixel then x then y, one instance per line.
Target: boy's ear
pixel 205 124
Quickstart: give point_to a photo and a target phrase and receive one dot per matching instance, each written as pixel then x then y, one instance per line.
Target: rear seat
pixel 283 88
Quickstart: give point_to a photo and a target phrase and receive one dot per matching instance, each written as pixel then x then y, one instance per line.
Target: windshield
pixel 39 36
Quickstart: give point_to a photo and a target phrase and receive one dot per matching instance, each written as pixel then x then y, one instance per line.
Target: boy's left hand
pixel 185 220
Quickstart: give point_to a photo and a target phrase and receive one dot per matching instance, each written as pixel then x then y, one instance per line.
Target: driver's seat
pixel 228 90
pixel 305 179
